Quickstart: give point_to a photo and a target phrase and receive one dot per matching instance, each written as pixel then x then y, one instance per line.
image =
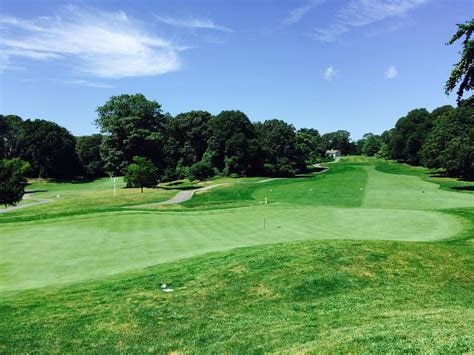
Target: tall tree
pixel 186 137
pixel 132 126
pixel 309 144
pixel 464 70
pixel 12 181
pixel 49 148
pixel 10 136
pixel 88 153
pixel 278 144
pixel 409 135
pixel 370 144
pixel 141 173
pixel 232 146
pixel 339 140
pixel 450 145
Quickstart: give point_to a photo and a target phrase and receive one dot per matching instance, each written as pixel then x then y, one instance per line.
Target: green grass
pixel 322 296
pixel 369 256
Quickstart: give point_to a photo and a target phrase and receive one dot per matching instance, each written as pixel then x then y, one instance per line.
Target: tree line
pixel 441 139
pixel 194 144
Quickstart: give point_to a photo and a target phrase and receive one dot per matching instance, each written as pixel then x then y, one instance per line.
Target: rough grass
pixel 321 296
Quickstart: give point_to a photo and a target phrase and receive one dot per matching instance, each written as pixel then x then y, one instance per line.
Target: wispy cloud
pixel 103 44
pixel 358 13
pixel 391 72
pixel 195 23
pixel 329 73
pixel 298 13
pixel 88 83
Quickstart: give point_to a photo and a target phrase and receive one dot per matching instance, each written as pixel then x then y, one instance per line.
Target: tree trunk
pixel 142 189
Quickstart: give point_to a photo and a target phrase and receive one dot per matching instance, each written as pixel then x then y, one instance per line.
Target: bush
pixel 200 171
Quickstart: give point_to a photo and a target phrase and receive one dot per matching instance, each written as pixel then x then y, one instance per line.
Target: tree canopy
pixel 132 126
pixel 463 71
pixel 49 148
pixel 141 173
pixel 12 180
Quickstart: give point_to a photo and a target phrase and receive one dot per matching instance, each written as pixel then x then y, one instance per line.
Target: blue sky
pixel 357 65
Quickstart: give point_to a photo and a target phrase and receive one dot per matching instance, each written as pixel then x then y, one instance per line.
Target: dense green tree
pixel 141 173
pixel 279 149
pixel 88 153
pixel 200 171
pixel 339 140
pixel 12 180
pixel 49 148
pixel 310 145
pixel 464 70
pixel 232 147
pixel 385 149
pixel 409 135
pixel 450 144
pixel 10 136
pixel 132 126
pixel 370 144
pixel 186 137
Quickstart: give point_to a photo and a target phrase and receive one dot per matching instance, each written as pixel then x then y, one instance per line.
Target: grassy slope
pixel 324 296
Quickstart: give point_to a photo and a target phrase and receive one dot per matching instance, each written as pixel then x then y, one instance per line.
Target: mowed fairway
pixel 353 200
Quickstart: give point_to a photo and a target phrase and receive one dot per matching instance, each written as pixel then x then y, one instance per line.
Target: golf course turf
pixel 368 256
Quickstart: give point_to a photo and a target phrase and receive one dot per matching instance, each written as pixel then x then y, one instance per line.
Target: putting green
pixel 78 248
pixel 348 202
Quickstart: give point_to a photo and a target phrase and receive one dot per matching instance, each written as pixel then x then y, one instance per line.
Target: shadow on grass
pixel 463 188
pixel 180 188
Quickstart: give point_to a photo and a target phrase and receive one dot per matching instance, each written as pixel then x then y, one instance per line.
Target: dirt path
pixel 27 196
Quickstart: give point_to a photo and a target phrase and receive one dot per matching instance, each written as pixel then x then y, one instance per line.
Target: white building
pixel 333 153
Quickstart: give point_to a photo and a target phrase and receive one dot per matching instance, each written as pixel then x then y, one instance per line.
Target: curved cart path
pixel 181 196
pixel 27 196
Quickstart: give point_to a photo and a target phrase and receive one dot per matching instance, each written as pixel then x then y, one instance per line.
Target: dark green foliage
pixel 310 145
pixel 49 148
pixel 132 126
pixel 464 70
pixel 339 140
pixel 186 137
pixel 12 180
pixel 141 173
pixel 88 153
pixel 279 150
pixel 370 144
pixel 450 145
pixel 10 135
pixel 200 171
pixel 232 147
pixel 409 135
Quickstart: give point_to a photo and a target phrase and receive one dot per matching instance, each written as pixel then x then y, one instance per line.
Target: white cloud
pixel 196 23
pixel 359 13
pixel 329 73
pixel 103 44
pixel 391 72
pixel 298 13
pixel 88 83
